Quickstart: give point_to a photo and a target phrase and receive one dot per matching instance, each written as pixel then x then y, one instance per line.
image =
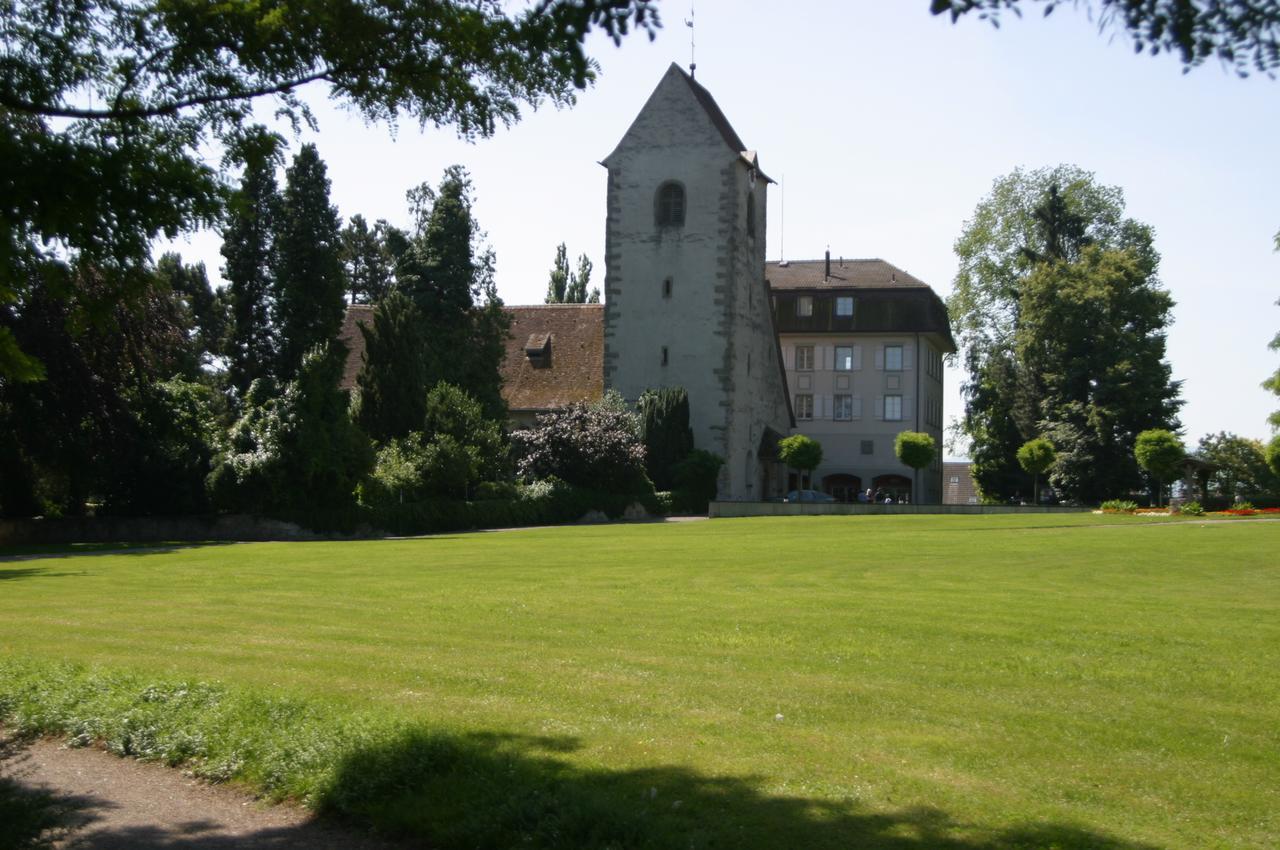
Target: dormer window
pixel 538 349
pixel 669 205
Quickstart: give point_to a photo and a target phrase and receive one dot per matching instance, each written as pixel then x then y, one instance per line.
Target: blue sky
pixel 886 126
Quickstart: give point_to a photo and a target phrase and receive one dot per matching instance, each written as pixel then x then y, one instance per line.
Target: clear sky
pixel 885 126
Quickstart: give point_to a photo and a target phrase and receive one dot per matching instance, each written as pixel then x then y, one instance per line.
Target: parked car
pixel 808 496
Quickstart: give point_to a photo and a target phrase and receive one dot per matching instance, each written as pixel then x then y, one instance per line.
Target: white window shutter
pixel 880 357
pixel 857 407
pixel 906 408
pixel 789 357
pixel 857 358
pixel 828 407
pixel 879 407
pixel 831 358
pixel 819 357
pixel 906 356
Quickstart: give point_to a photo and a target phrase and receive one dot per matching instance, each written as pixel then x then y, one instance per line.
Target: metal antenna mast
pixel 693 64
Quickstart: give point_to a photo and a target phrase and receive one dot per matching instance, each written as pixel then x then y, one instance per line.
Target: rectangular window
pixel 844 358
pixel 868 447
pixel 804 406
pixel 664 355
pixel 804 358
pixel 844 407
pixel 844 305
pixel 804 305
pixel 893 408
pixel 893 358
pixel 955 479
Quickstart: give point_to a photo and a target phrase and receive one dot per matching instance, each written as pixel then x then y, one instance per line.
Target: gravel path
pixel 112 803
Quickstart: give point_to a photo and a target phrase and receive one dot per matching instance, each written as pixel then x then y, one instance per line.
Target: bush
pixel 697 480
pixel 1119 506
pixel 586 445
pixel 1191 509
pixel 1243 505
pixel 666 502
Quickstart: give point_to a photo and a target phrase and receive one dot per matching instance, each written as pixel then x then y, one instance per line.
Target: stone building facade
pixel 686 302
pixel 863 343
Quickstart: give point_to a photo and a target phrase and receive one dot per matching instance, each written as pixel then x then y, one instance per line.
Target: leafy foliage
pixel 664 427
pixel 696 479
pixel 587 445
pixel 247 244
pixel 558 283
pixel 800 452
pixel 1125 506
pixel 75 436
pixel 1273 455
pixel 1272 383
pixel 914 448
pixel 1160 453
pixel 106 107
pixel 1241 33
pixel 295 450
pixel 1191 509
pixel 367 259
pixel 451 412
pixel 1036 456
pixel 309 277
pixel 1241 466
pixel 1061 317
pixel 393 380
pixel 449 275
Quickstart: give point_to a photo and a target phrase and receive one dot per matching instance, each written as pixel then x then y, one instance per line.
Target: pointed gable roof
pixel 676 76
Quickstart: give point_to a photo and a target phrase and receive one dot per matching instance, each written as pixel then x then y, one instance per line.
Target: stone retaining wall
pixel 745 509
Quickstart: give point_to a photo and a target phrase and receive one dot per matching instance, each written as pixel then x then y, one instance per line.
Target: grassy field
pixel 1070 681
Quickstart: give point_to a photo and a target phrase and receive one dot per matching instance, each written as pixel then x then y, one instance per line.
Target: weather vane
pixel 693 64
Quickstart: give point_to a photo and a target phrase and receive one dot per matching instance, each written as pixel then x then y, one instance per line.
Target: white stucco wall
pixel 919 385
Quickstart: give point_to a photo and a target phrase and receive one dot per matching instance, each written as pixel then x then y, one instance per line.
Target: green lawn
pixel 1063 681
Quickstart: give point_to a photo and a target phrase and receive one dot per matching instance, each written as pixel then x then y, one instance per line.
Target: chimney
pixel 827 273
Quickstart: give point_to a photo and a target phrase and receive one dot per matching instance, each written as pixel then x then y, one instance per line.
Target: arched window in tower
pixel 751 216
pixel 669 205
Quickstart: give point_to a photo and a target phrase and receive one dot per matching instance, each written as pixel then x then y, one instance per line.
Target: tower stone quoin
pixel 686 301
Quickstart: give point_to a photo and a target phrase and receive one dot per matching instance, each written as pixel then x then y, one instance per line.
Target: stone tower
pixel 686 299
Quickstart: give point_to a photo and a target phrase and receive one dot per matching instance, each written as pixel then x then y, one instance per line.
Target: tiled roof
pixel 574 371
pixel 964 491
pixel 713 112
pixel 350 336
pixel 845 274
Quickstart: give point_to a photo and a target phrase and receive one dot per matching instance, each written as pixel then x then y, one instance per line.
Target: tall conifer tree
pixel 309 277
pixel 393 382
pixel 249 270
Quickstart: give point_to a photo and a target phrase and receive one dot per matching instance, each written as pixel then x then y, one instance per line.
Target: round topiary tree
pixel 1160 453
pixel 800 453
pixel 1036 456
pixel 917 450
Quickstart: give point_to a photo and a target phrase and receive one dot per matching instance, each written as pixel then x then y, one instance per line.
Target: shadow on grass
pixel 40 552
pixel 493 791
pixel 489 791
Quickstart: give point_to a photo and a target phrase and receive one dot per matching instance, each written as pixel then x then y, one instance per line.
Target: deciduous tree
pixel 1035 457
pixel 801 453
pixel 1060 317
pixel 1244 34
pixel 1160 453
pixel 107 108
